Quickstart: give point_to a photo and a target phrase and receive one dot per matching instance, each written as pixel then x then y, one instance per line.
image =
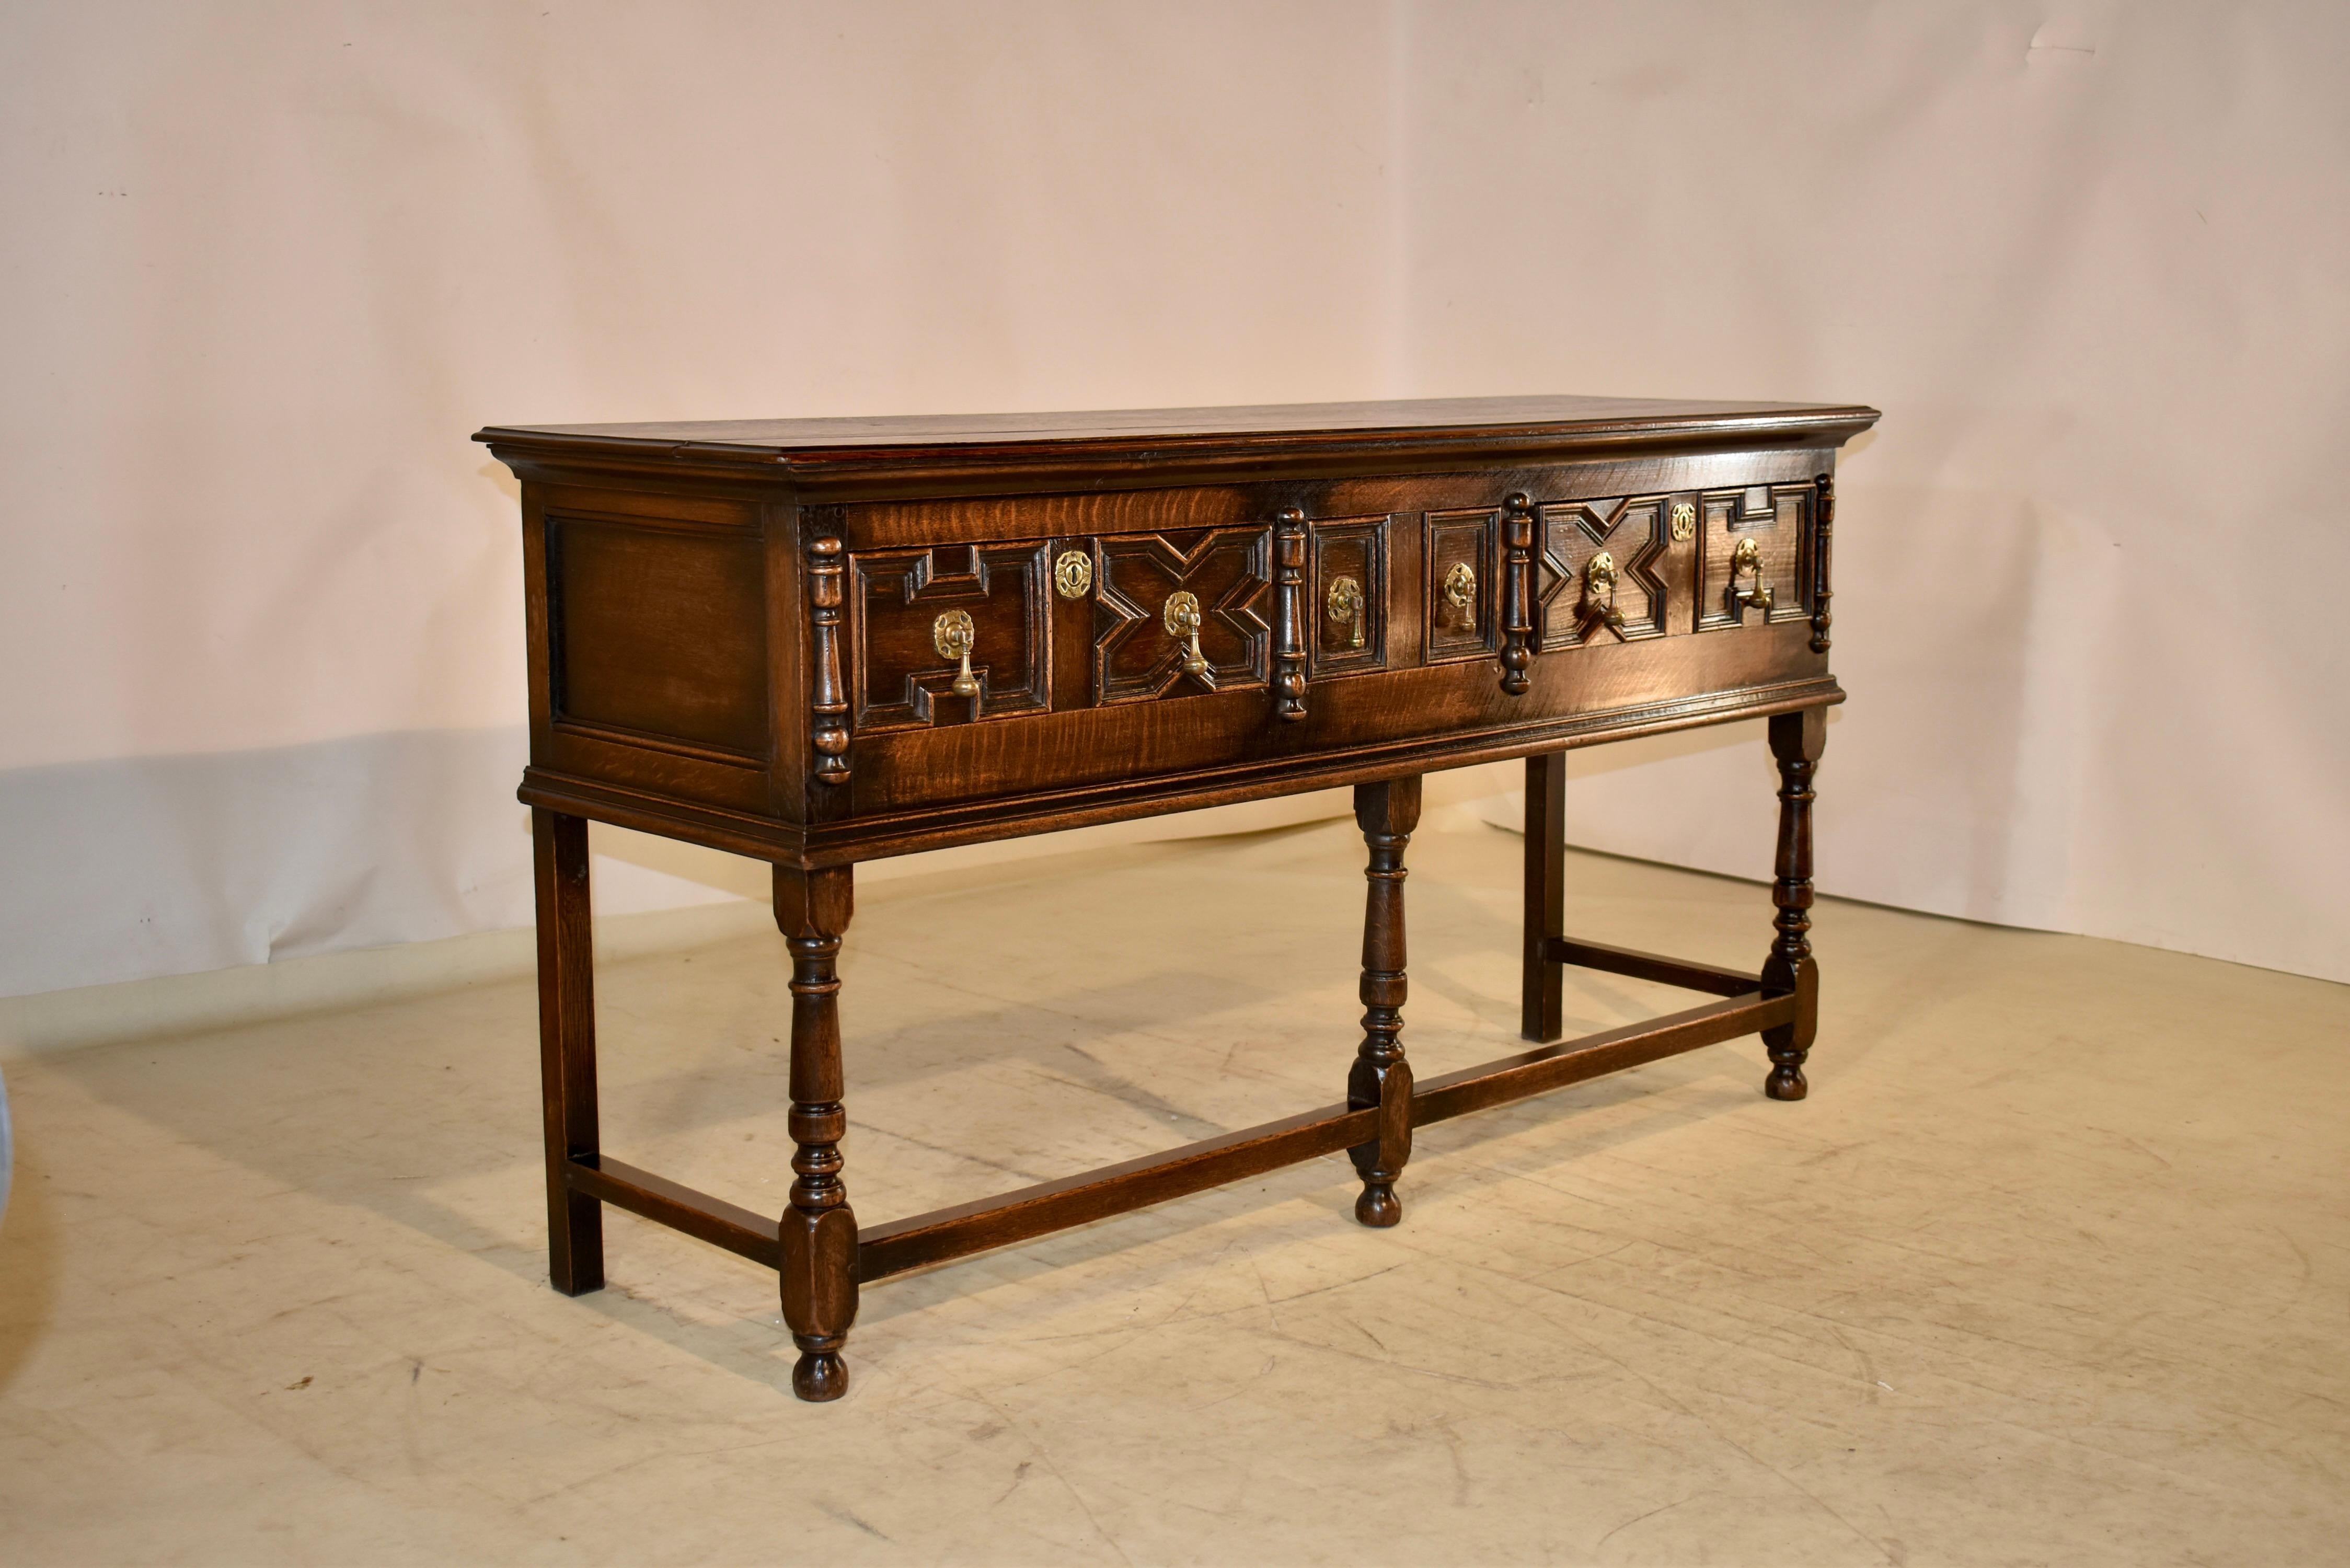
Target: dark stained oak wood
pixel 1822 535
pixel 1796 740
pixel 1380 1079
pixel 1289 639
pixel 977 454
pixel 1541 996
pixel 1555 1066
pixel 1517 591
pixel 566 1048
pixel 820 643
pixel 827 699
pixel 818 1230
pixel 943 1235
pixel 1049 1206
pixel 1639 965
pixel 681 1208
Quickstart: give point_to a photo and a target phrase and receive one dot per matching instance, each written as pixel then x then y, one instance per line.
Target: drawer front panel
pixel 1613 554
pixel 1775 522
pixel 1461 596
pixel 1228 572
pixel 1348 602
pixel 1404 607
pixel 898 600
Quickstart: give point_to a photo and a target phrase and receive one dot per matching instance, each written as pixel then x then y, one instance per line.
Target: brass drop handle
pixel 1344 604
pixel 1598 576
pixel 1181 618
pixel 953 635
pixel 1745 560
pixel 1461 593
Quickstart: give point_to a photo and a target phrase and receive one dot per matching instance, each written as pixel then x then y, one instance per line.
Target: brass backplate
pixel 1181 615
pixel 1460 592
pixel 1345 605
pixel 953 633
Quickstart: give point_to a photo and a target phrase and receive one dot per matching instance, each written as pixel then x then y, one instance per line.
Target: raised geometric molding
pixel 1775 517
pixel 1469 539
pixel 1353 547
pixel 1228 570
pixel 1632 531
pixel 902 682
pixel 1823 529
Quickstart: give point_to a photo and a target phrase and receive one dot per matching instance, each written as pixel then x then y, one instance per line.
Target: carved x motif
pixel 1598 522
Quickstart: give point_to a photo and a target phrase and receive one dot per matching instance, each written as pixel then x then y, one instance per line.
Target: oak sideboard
pixel 817 642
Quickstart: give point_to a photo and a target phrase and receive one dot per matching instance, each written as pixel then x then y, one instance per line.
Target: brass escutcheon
pixel 1345 607
pixel 953 636
pixel 1684 523
pixel 1073 574
pixel 1461 593
pixel 1181 618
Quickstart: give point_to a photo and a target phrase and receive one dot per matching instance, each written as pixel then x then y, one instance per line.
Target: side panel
pixel 651 662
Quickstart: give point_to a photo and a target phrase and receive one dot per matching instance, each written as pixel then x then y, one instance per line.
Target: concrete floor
pixel 2054 1267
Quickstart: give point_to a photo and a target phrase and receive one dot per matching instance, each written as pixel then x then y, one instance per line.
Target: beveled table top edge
pixel 822 443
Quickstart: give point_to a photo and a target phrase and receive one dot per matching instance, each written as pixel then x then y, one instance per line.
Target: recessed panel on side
pixel 659 635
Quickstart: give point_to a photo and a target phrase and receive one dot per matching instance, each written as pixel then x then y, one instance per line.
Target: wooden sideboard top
pixel 1141 443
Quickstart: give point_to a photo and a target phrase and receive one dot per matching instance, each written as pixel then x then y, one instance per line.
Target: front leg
pixel 1387 813
pixel 819 1232
pixel 1796 740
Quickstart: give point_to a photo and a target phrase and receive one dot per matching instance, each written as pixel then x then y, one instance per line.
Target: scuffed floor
pixel 2054 1267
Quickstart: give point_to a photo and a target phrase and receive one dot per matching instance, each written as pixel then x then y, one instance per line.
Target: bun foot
pixel 1786 1083
pixel 1378 1207
pixel 819 1377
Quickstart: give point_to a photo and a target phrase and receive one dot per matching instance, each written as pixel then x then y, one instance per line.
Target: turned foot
pixel 820 1376
pixel 1786 1082
pixel 1378 1207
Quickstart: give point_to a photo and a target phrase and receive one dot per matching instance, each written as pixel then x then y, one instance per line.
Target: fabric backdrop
pixel 268 265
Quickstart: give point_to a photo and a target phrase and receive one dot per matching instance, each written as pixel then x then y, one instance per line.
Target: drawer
pixel 1348 601
pixel 1458 600
pixel 1609 567
pixel 948 636
pixel 1754 556
pixel 1284 604
pixel 1181 614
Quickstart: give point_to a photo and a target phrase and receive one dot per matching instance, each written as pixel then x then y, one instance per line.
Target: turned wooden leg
pixel 1381 1076
pixel 566 1048
pixel 1539 1018
pixel 819 1232
pixel 1796 740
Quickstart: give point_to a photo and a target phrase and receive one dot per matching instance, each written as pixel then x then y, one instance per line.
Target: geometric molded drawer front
pixel 898 598
pixel 1577 589
pixel 1346 598
pixel 1753 549
pixel 1228 573
pixel 1463 585
pixel 658 633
